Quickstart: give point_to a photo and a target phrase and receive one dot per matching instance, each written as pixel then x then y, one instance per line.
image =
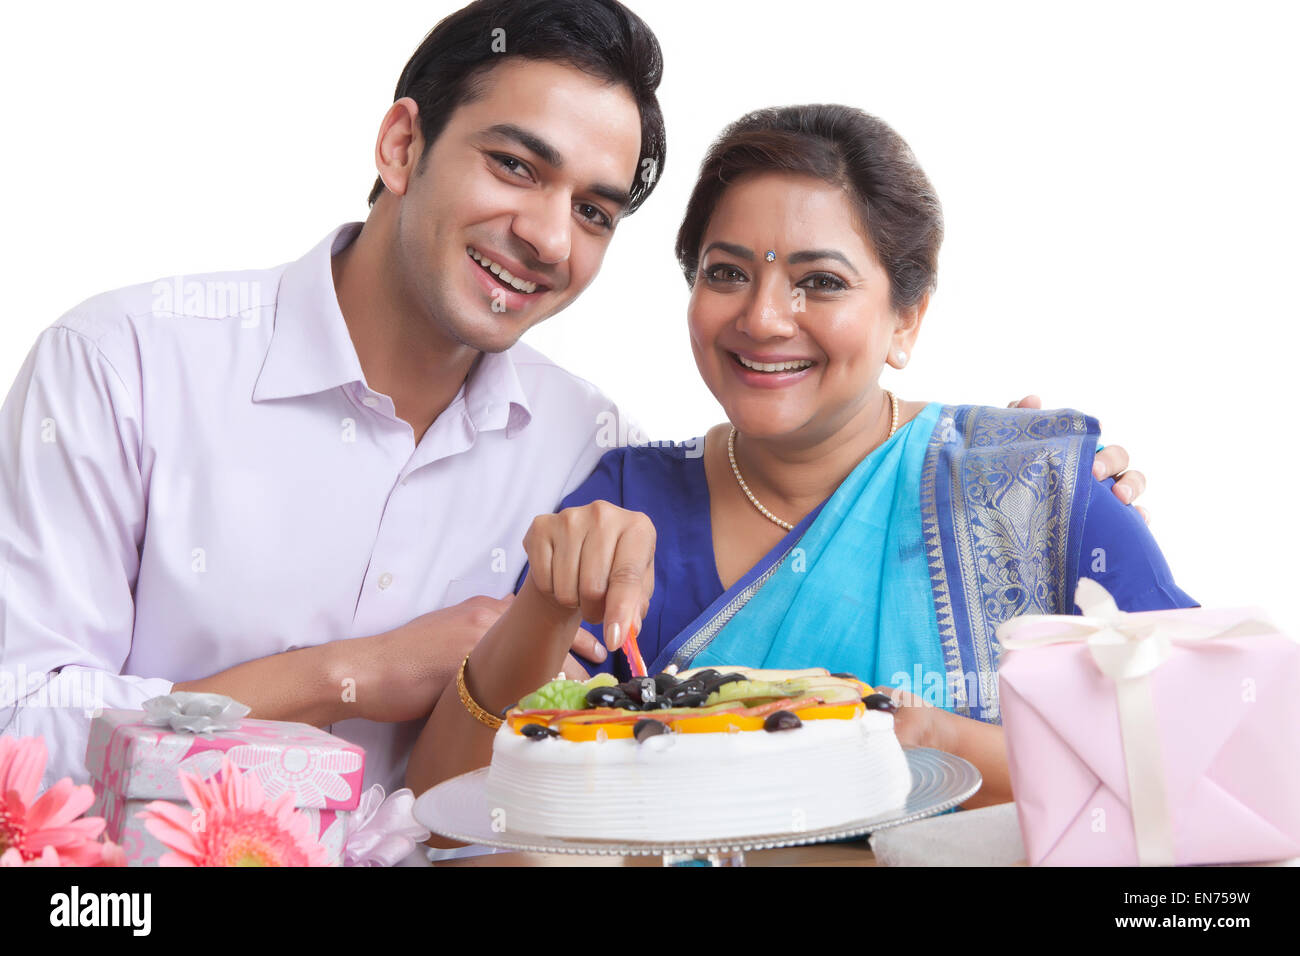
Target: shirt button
pixel 385 579
pixel 370 401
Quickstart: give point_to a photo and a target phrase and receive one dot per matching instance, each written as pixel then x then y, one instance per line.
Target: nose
pixel 769 313
pixel 546 224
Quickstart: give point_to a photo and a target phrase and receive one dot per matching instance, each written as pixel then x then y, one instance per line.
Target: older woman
pixel 826 523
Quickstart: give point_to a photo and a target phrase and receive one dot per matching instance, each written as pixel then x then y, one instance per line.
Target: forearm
pixel 307 684
pixel 984 745
pixel 522 651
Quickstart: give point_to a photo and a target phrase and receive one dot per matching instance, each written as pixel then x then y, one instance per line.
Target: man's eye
pixel 511 164
pixel 594 215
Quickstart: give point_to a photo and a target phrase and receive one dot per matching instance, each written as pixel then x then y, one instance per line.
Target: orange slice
pixel 518 721
pixel 716 723
pixel 617 725
pixel 592 731
pixel 831 711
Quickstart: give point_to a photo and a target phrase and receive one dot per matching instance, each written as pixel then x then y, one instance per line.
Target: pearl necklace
pixel 735 469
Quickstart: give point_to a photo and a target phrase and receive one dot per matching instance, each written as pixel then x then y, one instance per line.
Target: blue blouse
pixel 667 483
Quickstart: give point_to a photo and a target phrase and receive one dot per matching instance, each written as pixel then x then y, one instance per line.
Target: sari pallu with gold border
pixel 967 517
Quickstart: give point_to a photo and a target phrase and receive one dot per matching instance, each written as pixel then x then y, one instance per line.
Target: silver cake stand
pixel 457 808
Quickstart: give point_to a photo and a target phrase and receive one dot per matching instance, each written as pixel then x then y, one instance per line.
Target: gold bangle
pixel 471 705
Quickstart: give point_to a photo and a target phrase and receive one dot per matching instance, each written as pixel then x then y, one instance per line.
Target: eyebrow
pixel 740 252
pixel 804 255
pixel 552 157
pixel 812 255
pixel 528 140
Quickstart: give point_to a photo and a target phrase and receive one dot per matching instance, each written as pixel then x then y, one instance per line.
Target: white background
pixel 1119 182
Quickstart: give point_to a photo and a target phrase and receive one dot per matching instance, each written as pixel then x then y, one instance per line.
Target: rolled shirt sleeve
pixel 72 516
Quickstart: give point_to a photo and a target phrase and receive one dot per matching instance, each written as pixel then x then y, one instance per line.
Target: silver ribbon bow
pixel 194 713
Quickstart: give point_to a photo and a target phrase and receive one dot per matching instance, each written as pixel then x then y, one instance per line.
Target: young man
pixel 287 485
pixel 266 496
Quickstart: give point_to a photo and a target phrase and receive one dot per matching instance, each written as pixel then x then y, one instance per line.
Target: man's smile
pixel 517 282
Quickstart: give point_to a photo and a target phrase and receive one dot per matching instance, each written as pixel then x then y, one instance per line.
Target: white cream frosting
pixel 680 786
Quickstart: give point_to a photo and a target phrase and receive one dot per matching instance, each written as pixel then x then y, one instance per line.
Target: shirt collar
pixel 494 396
pixel 311 349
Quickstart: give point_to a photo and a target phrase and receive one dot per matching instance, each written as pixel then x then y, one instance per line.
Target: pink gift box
pixel 132 763
pixel 1224 748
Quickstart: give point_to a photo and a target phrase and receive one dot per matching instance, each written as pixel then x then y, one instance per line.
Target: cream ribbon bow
pixel 1127 648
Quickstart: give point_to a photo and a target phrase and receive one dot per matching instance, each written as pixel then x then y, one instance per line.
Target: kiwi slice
pixel 752 692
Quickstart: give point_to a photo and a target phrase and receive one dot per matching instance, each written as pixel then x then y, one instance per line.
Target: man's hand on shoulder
pixel 1112 462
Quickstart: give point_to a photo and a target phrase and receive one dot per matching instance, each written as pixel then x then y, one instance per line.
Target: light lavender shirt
pixel 194 473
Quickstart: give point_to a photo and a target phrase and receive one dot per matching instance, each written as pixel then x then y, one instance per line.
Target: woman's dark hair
pixel 894 201
pixel 600 37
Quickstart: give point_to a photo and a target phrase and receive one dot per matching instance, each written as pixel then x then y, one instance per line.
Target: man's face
pixel 517 200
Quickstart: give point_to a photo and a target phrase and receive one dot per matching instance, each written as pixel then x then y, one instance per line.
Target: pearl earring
pixel 900 357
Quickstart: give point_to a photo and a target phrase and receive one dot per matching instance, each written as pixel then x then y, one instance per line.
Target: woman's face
pixel 816 320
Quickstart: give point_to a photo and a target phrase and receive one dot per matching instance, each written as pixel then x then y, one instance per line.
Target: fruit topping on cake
pixel 538 731
pixel 880 702
pixel 781 720
pixel 699 701
pixel 564 694
pixel 645 728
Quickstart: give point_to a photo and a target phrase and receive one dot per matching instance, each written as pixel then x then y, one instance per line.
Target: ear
pixel 398 148
pixel 906 329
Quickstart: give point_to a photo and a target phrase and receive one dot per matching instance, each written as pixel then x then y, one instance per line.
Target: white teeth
pixel 523 285
pixel 774 366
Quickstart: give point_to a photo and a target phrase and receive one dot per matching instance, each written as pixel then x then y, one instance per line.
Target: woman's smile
pixel 769 371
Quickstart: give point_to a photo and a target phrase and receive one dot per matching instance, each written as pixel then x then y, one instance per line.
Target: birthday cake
pixel 700 755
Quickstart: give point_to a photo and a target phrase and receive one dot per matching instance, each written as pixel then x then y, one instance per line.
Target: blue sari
pixel 967 517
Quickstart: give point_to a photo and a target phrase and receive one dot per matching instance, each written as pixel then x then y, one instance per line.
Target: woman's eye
pixel 823 282
pixel 594 215
pixel 724 273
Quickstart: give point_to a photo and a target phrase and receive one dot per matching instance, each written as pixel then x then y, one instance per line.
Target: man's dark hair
pixel 600 37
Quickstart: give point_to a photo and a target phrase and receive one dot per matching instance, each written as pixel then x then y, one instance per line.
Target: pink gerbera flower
pixel 232 824
pixel 45 831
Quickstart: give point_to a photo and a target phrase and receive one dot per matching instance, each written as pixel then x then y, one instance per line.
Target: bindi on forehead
pixel 812 220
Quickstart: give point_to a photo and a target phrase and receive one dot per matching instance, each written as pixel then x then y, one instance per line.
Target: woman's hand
pixel 918 724
pixel 587 647
pixel 1111 462
pixel 573 668
pixel 598 558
